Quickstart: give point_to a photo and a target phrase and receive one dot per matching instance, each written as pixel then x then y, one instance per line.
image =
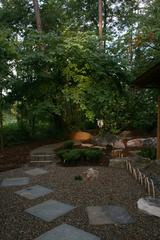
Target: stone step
pixel 42 157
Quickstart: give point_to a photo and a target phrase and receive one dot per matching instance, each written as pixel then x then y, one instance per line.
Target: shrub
pixel 68 144
pixel 148 153
pixel 61 153
pixel 72 156
pixel 93 154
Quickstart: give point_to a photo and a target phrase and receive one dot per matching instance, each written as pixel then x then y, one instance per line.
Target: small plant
pixel 68 144
pixel 78 178
pixel 148 153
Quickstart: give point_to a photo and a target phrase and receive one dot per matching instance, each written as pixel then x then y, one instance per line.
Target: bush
pixel 93 154
pixel 68 144
pixel 72 156
pixel 148 153
pixel 61 153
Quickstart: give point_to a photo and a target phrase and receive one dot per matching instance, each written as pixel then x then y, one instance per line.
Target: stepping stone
pixel 10 182
pixel 36 171
pixel 50 210
pixel 34 192
pixel 67 232
pixel 109 214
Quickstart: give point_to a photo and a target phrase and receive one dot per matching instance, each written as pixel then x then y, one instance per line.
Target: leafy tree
pixel 7 53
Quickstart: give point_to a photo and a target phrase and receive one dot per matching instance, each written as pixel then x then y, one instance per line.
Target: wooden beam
pixel 158 129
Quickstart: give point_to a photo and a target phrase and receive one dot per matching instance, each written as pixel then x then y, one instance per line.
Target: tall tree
pixel 7 53
pixel 37 15
pixel 100 24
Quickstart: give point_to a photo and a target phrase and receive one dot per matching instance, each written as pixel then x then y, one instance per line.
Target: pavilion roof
pixel 150 78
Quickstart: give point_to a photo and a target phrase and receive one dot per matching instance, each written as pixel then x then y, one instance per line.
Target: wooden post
pixel 158 130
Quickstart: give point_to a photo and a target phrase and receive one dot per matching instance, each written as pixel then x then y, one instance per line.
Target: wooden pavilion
pixel 151 79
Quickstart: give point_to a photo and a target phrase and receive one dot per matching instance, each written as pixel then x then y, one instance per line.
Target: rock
pixel 81 136
pixel 106 139
pixel 114 162
pixel 126 134
pixel 119 144
pixel 142 142
pixel 100 147
pixel 135 143
pixel 152 142
pixel 150 205
pixel 141 162
pixel 86 145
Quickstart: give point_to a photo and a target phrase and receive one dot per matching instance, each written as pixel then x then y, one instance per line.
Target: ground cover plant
pixel 73 157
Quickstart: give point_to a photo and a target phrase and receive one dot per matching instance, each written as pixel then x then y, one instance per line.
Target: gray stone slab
pixel 50 210
pixel 67 232
pixel 34 192
pixel 11 182
pixel 36 171
pixel 108 214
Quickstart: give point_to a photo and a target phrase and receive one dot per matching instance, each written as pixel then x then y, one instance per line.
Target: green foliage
pixel 62 80
pixel 92 154
pixel 68 144
pixel 60 153
pixel 78 156
pixel 79 178
pixel 72 156
pixel 14 135
pixel 148 153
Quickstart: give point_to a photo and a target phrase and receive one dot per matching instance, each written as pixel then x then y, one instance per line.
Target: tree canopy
pixel 55 73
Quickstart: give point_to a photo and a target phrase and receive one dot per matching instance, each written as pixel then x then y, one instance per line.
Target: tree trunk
pixel 105 21
pixel 100 23
pixel 37 15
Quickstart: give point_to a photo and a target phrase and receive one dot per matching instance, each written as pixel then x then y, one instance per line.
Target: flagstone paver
pixel 10 182
pixel 34 192
pixel 109 214
pixel 36 171
pixel 67 232
pixel 50 210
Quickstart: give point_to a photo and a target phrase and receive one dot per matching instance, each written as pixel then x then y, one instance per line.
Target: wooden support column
pixel 158 129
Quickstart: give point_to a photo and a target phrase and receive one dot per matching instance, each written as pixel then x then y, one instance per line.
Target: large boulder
pixel 105 139
pixel 119 144
pixel 142 142
pixel 135 143
pixel 81 136
pixel 150 205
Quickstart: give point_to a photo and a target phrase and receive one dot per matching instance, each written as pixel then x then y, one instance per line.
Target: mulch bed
pixel 16 156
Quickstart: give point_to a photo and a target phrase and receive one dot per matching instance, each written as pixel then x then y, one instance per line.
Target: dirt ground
pixel 16 156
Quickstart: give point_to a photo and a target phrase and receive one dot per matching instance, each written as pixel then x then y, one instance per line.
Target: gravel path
pixel 114 186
